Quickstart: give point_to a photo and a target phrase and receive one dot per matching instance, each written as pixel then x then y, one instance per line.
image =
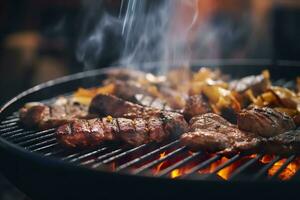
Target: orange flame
pixel 226 172
pixel 158 168
pixel 288 172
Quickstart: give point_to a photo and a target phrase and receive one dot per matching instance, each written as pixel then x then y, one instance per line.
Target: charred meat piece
pixel 257 84
pixel 264 121
pixel 42 116
pixel 284 144
pixel 128 89
pixel 196 105
pixel 83 133
pixel 86 133
pixel 104 105
pixel 212 133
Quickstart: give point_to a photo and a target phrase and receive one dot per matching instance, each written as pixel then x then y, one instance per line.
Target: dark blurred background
pixel 38 39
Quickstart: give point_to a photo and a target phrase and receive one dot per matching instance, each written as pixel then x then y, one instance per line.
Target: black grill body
pixel 41 168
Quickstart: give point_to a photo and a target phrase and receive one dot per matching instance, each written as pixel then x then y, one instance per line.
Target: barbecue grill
pixel 40 167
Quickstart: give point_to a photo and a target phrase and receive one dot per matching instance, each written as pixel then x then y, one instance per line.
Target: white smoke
pixel 155 31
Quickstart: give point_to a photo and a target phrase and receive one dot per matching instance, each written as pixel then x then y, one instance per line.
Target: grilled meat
pixel 212 133
pixel 264 121
pixel 42 116
pixel 104 105
pixel 132 123
pixel 284 144
pixel 128 89
pixel 196 105
pixel 82 133
pixel 85 133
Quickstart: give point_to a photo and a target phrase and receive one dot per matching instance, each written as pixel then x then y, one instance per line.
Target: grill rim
pixel 37 157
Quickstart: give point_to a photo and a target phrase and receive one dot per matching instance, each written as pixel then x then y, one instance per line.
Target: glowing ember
pixel 288 172
pixel 176 173
pixel 158 168
pixel 226 172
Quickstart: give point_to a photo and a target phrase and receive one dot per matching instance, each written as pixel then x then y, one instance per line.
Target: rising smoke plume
pixel 167 32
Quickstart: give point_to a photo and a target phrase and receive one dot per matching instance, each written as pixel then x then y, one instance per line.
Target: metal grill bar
pixel 283 166
pixel 36 146
pixel 14 115
pixel 7 121
pixel 54 152
pixel 224 165
pixel 3 126
pixel 36 139
pixel 11 128
pixel 245 166
pixel 160 160
pixel 100 158
pixel 26 134
pixel 71 155
pixel 202 165
pixel 12 133
pixel 179 164
pixel 265 169
pixel 147 156
pixel 120 155
pixel 86 155
pixel 45 147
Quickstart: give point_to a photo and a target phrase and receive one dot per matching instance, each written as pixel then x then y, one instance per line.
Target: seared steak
pixel 42 116
pixel 212 133
pixel 104 105
pixel 196 105
pixel 265 121
pixel 284 144
pixel 85 133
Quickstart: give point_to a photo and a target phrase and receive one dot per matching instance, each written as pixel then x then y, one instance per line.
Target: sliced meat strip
pixel 212 133
pixel 104 105
pixel 82 133
pixel 42 116
pixel 265 121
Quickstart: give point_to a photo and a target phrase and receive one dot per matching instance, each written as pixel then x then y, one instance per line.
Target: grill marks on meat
pixel 212 133
pixel 264 121
pixel 86 133
pixel 284 144
pixel 131 123
pixel 41 116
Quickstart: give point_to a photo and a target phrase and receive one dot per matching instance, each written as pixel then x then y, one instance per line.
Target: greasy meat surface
pixel 132 123
pixel 104 105
pixel 41 116
pixel 264 121
pixel 287 143
pixel 85 133
pixel 196 105
pixel 212 133
pixel 82 133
